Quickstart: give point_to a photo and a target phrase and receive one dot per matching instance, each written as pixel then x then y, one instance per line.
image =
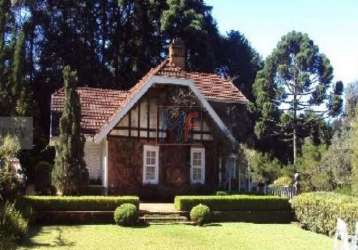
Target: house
pixel 162 137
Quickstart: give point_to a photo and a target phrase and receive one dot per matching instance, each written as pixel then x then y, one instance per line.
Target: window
pixel 197 172
pixel 150 164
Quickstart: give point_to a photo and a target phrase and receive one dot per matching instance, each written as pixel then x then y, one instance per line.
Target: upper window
pixel 150 164
pixel 197 172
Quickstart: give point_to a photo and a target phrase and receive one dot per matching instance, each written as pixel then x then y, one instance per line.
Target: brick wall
pixel 125 166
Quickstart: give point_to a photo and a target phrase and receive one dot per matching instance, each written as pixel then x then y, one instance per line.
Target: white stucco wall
pixel 93 156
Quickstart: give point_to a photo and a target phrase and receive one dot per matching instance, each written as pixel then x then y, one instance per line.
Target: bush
pixel 232 202
pixel 200 214
pixel 222 193
pixel 13 226
pixel 126 215
pixel 78 203
pixel 319 211
pixel 10 183
pixel 283 181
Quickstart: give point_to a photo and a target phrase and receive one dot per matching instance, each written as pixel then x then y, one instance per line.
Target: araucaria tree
pixel 294 90
pixel 70 174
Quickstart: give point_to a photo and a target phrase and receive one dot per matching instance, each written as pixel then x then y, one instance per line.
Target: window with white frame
pixel 197 170
pixel 150 164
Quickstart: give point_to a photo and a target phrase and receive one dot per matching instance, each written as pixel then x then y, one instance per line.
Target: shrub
pixel 283 181
pixel 319 211
pixel 222 193
pixel 126 215
pixel 78 203
pixel 232 202
pixel 13 226
pixel 9 179
pixel 200 214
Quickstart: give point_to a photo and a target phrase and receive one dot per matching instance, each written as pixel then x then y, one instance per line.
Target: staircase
pixel 162 213
pixel 164 218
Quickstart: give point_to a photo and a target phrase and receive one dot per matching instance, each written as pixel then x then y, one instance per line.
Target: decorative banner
pixel 179 123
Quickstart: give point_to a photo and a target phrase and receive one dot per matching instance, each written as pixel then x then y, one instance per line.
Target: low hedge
pixel 258 216
pixel 233 202
pixel 319 211
pixel 78 203
pixel 74 217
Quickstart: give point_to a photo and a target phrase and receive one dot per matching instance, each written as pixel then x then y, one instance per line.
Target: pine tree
pixel 70 174
pixel 294 90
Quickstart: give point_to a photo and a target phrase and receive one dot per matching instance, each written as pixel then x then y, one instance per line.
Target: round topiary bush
pixel 126 215
pixel 200 214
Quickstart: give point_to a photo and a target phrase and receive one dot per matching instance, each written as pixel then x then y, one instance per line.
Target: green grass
pixel 226 236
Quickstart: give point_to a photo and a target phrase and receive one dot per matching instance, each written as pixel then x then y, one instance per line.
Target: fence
pixel 288 191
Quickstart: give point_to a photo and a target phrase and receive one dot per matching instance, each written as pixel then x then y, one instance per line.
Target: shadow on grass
pixel 213 225
pixel 58 241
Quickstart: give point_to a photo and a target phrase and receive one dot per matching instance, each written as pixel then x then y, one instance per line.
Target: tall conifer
pixel 70 173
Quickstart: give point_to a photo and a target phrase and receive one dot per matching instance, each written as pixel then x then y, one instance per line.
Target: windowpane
pixel 150 165
pixel 150 173
pixel 198 165
pixel 150 159
pixel 197 174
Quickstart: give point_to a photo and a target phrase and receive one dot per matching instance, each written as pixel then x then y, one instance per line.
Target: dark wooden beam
pixel 139 118
pixel 129 123
pixel 148 117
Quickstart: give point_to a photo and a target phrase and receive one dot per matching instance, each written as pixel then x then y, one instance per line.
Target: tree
pixel 9 181
pixel 337 159
pixel 191 20
pixel 70 173
pixel 4 18
pixel 263 167
pixel 294 90
pixel 355 156
pixel 314 177
pixel 351 100
pixel 21 93
pixel 241 61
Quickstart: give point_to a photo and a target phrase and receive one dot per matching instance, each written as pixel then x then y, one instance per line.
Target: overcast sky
pixel 332 24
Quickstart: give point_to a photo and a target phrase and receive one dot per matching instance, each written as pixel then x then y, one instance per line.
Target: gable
pixel 143 89
pixel 169 115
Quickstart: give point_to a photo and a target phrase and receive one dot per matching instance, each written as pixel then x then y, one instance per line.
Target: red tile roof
pixel 100 105
pixel 212 86
pixel 97 106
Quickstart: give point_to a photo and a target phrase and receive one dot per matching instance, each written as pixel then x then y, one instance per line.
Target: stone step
pixel 160 218
pixel 163 213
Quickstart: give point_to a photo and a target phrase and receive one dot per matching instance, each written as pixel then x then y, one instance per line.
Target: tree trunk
pixel 294 146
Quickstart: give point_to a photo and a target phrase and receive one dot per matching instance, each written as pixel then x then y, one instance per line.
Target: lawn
pixel 216 236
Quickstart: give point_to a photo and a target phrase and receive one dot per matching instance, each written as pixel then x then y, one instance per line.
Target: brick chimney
pixel 177 53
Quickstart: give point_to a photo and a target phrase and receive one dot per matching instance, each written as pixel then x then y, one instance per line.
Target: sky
pixel 331 24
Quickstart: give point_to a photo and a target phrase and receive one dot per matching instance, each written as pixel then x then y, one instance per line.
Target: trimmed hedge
pixel 78 203
pixel 258 216
pixel 319 211
pixel 233 202
pixel 74 217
